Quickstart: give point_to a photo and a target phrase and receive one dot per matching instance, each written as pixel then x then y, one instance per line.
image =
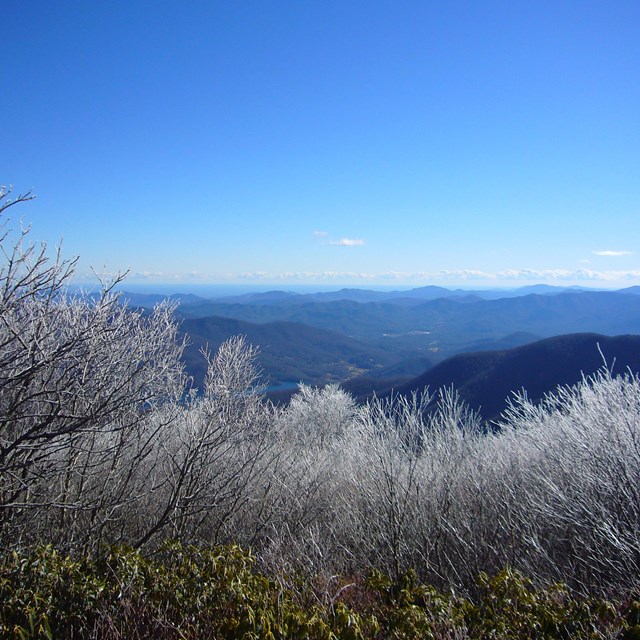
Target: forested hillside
pixel 289 352
pixel 486 380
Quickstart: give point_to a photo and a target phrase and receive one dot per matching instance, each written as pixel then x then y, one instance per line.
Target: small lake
pixel 287 385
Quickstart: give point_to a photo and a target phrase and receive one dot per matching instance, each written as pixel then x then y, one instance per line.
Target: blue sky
pixel 409 143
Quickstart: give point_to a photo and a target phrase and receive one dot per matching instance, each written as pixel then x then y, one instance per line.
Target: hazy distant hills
pixel 376 340
pixel 199 305
pixel 447 325
pixel 419 294
pixel 486 379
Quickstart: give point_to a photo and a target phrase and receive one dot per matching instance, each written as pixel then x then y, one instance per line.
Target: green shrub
pixel 186 593
pixel 510 607
pixel 46 595
pixel 409 609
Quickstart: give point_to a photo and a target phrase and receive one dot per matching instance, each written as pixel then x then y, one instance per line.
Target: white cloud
pixel 609 253
pixel 445 277
pixel 465 274
pixel 347 242
pixel 567 274
pixel 156 277
pixel 325 238
pixel 550 274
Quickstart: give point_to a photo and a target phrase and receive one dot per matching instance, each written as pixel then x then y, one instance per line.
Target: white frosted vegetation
pixel 554 491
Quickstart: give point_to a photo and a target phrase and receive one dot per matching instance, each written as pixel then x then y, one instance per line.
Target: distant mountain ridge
pixel 486 379
pixel 447 325
pixel 415 295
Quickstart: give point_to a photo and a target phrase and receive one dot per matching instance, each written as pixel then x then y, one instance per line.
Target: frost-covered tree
pixel 101 439
pixel 210 476
pixel 79 378
pixel 418 483
pixel 317 415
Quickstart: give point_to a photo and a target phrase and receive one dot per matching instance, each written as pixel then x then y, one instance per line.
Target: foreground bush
pixel 185 593
pixel 191 593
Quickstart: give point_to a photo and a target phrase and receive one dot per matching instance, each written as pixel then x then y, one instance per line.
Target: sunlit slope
pixel 288 351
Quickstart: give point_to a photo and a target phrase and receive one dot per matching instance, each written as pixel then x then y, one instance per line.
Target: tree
pixel 79 379
pixel 212 471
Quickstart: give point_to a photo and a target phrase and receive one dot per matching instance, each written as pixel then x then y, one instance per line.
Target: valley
pixel 486 344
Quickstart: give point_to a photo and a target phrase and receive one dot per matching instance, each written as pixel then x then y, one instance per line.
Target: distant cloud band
pixel 444 276
pixel 609 253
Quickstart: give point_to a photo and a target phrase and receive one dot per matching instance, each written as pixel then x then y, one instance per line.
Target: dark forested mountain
pixel 486 379
pixel 288 352
pixel 384 381
pixel 516 339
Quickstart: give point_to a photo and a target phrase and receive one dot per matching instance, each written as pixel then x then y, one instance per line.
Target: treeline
pixel 103 443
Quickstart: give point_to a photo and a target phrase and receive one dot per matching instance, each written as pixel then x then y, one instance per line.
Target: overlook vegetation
pixel 126 499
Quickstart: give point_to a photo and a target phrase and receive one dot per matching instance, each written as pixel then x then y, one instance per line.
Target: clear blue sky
pixel 414 143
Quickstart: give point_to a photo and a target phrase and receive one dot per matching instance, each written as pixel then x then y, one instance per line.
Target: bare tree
pixel 79 377
pixel 210 471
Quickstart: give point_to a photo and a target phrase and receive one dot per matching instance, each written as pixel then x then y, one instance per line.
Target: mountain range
pixel 372 340
pixel 290 352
